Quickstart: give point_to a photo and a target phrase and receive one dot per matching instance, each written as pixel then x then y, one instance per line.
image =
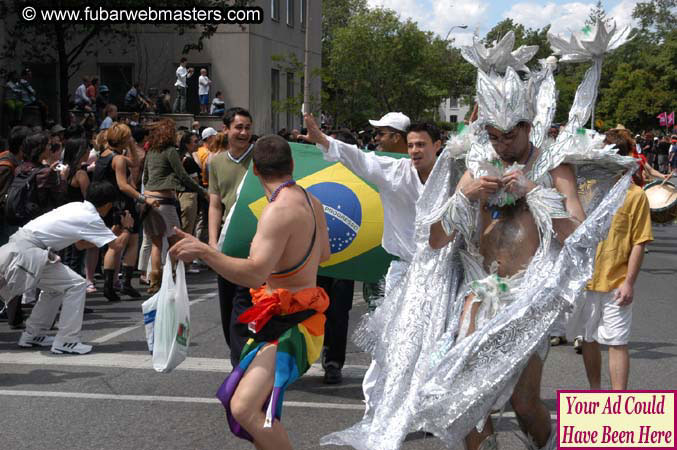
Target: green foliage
pixel 379 63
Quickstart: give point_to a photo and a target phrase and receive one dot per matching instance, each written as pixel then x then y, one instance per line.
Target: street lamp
pixel 462 27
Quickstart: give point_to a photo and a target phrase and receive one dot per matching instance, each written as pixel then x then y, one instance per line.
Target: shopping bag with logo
pixel 149 309
pixel 172 320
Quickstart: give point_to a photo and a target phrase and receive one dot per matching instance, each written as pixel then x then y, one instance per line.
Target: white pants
pixel 60 286
pixel 598 318
pixel 396 272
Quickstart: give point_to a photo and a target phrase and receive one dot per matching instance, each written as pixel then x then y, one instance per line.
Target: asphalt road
pixel 113 399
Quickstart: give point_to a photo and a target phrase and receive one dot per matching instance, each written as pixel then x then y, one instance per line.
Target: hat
pixel 619 126
pixel 103 88
pixel 56 129
pixel 207 133
pixel 395 120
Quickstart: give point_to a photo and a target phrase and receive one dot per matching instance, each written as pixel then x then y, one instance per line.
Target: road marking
pixel 203 400
pixel 141 361
pixel 121 331
pixel 160 398
pixel 114 334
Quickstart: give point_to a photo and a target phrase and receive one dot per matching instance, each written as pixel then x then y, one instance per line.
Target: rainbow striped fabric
pixel 297 348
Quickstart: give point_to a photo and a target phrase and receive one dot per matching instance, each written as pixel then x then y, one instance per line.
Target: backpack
pixel 8 164
pixel 21 204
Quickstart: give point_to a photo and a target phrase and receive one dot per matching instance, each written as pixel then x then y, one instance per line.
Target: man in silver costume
pixel 467 328
pixel 508 240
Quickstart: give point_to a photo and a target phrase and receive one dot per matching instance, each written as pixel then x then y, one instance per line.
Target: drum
pixel 662 201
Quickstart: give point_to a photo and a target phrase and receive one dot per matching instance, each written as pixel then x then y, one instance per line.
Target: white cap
pixel 207 133
pixel 395 120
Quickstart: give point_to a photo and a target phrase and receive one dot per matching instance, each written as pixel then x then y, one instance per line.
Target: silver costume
pixel 433 376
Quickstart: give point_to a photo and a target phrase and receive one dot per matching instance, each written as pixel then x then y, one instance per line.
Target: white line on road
pixel 120 332
pixel 114 334
pixel 141 361
pixel 159 398
pixel 169 399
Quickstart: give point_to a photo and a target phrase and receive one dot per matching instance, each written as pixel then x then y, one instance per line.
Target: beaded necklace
pixel 279 188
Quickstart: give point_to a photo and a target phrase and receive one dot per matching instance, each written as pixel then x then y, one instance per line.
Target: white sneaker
pixel 73 348
pixel 27 340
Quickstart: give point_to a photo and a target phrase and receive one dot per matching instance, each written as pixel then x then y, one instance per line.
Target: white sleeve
pixel 379 170
pixel 97 233
pixel 203 81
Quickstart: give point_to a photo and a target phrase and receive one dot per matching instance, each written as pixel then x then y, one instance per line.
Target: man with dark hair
pixel 400 181
pixel 287 321
pixel 182 75
pixel 226 171
pixel 32 249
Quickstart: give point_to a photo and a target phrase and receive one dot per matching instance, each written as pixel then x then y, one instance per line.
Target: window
pixel 453 103
pixel 302 15
pixel 453 118
pixel 275 10
pixel 290 13
pixel 290 95
pixel 274 98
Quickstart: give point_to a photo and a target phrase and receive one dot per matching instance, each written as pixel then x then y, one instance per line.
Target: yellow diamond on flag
pixel 352 208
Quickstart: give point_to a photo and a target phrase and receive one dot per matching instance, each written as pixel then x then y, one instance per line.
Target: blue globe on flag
pixel 342 210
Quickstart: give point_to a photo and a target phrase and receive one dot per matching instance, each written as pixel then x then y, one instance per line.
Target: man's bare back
pixel 292 209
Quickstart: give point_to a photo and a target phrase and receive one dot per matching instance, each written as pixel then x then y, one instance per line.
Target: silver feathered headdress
pixel 503 98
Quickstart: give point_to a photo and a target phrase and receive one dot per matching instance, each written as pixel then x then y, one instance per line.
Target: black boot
pixel 108 290
pixel 127 289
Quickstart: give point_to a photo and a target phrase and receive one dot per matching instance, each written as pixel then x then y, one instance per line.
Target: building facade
pixel 247 63
pixel 452 110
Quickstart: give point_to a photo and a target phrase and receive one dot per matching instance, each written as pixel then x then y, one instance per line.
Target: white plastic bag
pixel 149 308
pixel 172 320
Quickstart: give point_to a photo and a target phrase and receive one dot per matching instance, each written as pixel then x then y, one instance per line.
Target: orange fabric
pixel 282 302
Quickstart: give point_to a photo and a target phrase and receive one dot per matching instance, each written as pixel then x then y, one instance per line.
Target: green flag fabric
pixel 351 205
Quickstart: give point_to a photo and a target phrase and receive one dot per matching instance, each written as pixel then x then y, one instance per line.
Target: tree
pixel 379 64
pixel 68 43
pixel 656 17
pixel 597 13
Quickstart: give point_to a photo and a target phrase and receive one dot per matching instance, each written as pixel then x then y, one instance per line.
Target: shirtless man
pixel 509 237
pixel 291 241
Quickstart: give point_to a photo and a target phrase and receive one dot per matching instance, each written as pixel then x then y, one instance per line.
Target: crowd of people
pixel 474 252
pixel 160 178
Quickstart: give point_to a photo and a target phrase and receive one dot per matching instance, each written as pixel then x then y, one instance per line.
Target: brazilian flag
pixel 351 205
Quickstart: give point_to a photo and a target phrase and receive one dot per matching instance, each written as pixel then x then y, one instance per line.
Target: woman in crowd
pixel 114 166
pixel 37 152
pixel 75 181
pixel 163 176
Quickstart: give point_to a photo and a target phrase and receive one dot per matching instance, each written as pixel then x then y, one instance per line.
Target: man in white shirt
pixel 399 181
pixel 29 261
pixel 82 101
pixel 203 91
pixel 182 75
